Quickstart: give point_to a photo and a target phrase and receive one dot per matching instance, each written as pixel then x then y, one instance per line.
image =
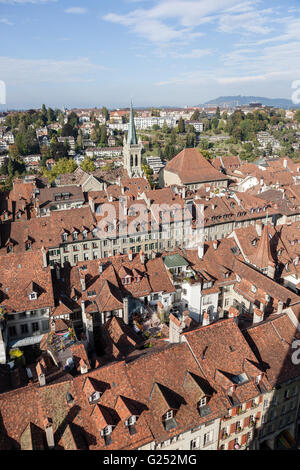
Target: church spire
pixel 131 138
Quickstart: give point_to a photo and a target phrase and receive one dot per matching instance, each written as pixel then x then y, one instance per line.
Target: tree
pixel 196 116
pixel 68 131
pixel 88 165
pixel 61 167
pixel 297 115
pixel 13 151
pixel 181 127
pixel 218 114
pixel 51 116
pixel 103 135
pixel 105 113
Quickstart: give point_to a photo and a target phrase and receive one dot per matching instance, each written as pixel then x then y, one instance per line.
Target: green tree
pixel 88 165
pixel 181 127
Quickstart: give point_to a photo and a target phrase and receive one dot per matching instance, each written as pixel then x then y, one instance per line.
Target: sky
pixel 94 53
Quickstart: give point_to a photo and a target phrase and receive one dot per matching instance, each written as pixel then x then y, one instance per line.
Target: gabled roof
pixel 192 167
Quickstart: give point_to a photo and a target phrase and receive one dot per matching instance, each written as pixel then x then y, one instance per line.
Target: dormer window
pixel 202 402
pixel 106 434
pixel 75 235
pixel 168 415
pixel 84 234
pixel 64 237
pixel 130 421
pixel 28 246
pixel 33 296
pixel 106 431
pixel 94 397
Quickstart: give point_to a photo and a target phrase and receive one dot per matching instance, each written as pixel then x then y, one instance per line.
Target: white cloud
pixel 21 2
pixel 76 10
pixel 193 54
pixel 6 21
pixel 154 23
pixel 19 71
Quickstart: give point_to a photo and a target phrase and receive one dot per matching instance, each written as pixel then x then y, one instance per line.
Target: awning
pixel 19 343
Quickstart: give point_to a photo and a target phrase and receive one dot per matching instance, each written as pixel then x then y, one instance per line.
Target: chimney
pixel 176 326
pixel 100 268
pixel 206 319
pixel 82 281
pixel 261 181
pixel 41 374
pixel 183 193
pixel 142 257
pixel 92 204
pixel 285 162
pixel 57 271
pixel 123 190
pixel 258 226
pixel 130 255
pixel 153 254
pixel 200 251
pixel 49 433
pixel 279 307
pixel 125 311
pixel 258 316
pixel 44 255
pixel 215 245
pixel 83 307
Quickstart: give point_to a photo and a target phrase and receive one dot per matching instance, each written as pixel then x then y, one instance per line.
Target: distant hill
pixel 245 100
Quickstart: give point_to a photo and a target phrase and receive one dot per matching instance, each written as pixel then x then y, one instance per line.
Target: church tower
pixel 132 150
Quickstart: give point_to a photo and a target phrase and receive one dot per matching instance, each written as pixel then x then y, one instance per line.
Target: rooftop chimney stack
pixel 125 310
pixel 82 281
pixel 130 256
pixel 206 319
pixel 44 255
pixel 175 329
pixel 279 307
pixel 49 433
pixel 200 251
pixel 142 257
pixel 258 227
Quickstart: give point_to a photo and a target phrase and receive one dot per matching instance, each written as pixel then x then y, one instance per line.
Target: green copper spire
pixel 131 138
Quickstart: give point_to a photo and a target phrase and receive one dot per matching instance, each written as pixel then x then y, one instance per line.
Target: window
pixel 33 296
pixel 131 421
pixel 24 329
pixel 208 437
pixel 94 397
pixel 169 415
pixel 35 327
pixel 202 402
pixel 12 331
pixel 195 443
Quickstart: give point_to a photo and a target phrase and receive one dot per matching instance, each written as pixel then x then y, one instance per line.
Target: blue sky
pixel 160 52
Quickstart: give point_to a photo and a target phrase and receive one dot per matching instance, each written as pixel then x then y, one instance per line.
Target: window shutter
pixel 234 411
pixel 246 422
pixel 231 445
pixel 232 428
pixel 244 439
pixel 248 405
